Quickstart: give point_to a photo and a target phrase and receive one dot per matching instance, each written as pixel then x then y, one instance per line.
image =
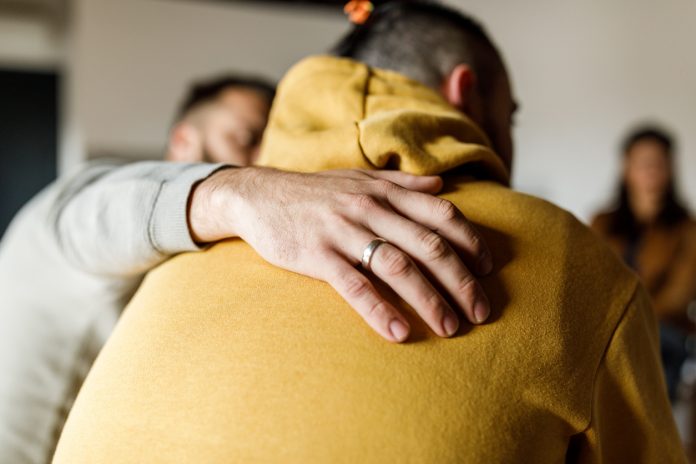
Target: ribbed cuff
pixel 169 228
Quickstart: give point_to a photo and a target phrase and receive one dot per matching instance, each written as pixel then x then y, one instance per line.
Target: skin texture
pixel 494 114
pixel 647 172
pixel 319 224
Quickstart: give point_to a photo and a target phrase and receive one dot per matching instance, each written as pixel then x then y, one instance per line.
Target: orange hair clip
pixel 358 11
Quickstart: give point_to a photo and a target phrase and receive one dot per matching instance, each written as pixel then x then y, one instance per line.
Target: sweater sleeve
pixel 122 220
pixel 631 416
pixel 679 289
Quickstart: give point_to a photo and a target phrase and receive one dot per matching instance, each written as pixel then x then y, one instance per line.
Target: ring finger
pixel 398 270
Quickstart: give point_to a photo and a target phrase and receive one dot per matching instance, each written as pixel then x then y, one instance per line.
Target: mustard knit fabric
pixel 223 358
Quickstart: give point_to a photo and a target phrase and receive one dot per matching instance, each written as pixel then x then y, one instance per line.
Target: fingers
pixel 434 254
pixel 398 270
pixel 359 292
pixel 443 217
pixel 425 184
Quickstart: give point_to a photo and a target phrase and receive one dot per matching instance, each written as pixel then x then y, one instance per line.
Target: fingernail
pixel 450 324
pixel 398 329
pixel 481 312
pixel 485 264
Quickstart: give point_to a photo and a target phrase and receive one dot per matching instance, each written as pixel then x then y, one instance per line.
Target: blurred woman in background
pixel 653 232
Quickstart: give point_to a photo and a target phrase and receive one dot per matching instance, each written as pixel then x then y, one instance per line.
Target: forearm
pixel 219 208
pixel 124 220
pixel 212 203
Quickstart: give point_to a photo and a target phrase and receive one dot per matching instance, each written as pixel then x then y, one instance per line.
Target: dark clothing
pixel 665 259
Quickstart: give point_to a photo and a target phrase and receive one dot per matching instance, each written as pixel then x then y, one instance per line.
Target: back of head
pixel 432 43
pixel 424 41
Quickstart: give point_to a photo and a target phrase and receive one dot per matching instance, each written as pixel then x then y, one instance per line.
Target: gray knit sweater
pixel 69 262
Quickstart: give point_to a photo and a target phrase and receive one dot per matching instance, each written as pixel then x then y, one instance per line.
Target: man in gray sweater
pixel 75 254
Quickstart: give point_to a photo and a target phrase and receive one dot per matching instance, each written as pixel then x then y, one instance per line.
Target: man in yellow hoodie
pixel 275 369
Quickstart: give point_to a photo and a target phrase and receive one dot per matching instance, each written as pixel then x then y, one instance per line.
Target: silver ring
pixel 370 250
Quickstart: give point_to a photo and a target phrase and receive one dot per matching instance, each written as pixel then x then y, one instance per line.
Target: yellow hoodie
pixel 223 358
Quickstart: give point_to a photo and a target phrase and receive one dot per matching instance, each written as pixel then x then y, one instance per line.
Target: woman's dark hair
pixel 622 220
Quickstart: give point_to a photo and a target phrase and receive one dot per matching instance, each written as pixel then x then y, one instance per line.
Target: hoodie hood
pixel 336 113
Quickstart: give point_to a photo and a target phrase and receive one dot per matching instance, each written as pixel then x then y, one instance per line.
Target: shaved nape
pixel 424 41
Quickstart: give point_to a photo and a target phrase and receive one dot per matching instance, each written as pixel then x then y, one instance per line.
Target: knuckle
pixel 377 310
pixel 345 199
pixel 435 247
pixel 356 286
pixel 467 285
pixel 434 307
pixel 447 210
pixel 476 243
pixel 397 264
pixel 383 186
pixel 364 202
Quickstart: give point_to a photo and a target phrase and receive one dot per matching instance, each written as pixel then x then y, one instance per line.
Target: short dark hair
pixel 423 40
pixel 652 133
pixel 205 91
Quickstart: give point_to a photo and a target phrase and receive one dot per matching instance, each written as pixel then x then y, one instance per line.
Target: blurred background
pixel 83 78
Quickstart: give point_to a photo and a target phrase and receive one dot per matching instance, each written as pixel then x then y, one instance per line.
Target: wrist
pixel 212 206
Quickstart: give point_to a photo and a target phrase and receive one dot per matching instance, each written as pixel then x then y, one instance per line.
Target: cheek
pixel 637 175
pixel 216 145
pixel 222 148
pixel 662 178
pixel 217 148
pixel 648 177
pixel 255 153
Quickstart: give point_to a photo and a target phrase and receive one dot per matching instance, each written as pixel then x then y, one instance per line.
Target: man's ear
pixel 185 144
pixel 458 87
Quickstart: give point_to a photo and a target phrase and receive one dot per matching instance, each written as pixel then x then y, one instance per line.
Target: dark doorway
pixel 28 137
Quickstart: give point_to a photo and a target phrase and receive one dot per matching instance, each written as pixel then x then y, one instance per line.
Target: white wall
pixel 583 72
pixel 30 42
pixel 586 71
pixel 133 59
